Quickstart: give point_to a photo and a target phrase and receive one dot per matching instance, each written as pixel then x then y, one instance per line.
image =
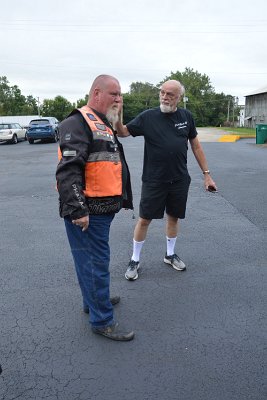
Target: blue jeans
pixel 91 255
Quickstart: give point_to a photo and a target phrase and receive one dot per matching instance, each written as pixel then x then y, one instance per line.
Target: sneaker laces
pixel 174 256
pixel 132 265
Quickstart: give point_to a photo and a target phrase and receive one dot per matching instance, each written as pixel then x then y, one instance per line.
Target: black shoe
pixel 114 300
pixel 113 332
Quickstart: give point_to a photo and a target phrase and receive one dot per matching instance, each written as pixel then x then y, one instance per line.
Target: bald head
pixel 101 82
pixel 105 96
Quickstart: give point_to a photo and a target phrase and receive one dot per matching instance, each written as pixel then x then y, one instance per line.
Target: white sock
pixel 137 247
pixel 170 245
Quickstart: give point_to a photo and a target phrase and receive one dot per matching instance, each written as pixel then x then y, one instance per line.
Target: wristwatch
pixel 206 172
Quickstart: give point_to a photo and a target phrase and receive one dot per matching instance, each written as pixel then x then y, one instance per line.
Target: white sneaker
pixel 175 262
pixel 131 273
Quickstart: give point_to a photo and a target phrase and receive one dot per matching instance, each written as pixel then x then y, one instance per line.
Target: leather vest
pixel 103 169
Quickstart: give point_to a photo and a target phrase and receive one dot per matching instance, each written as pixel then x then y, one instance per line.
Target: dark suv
pixel 45 128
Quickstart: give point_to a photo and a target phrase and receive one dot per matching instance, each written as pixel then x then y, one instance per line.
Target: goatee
pixel 166 108
pixel 112 116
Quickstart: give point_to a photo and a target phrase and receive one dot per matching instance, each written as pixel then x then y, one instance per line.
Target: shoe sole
pixel 177 268
pixel 131 279
pixel 134 278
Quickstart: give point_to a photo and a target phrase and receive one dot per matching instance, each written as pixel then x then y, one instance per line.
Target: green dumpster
pixel 261 134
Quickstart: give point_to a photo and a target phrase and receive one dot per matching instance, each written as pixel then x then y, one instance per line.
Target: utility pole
pixel 185 100
pixel 228 111
pixel 233 122
pixel 38 106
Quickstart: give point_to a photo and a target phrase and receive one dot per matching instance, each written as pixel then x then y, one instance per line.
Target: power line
pixel 151 27
pixel 65 67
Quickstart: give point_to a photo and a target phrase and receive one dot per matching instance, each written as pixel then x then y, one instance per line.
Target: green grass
pixel 240 131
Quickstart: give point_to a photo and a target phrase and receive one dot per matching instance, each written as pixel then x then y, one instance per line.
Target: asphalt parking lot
pixel 200 334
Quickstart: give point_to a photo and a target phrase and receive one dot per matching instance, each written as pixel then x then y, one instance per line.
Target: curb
pixel 234 138
pixel 229 138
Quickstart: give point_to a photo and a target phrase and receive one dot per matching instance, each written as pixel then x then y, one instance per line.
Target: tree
pixel 141 97
pixel 4 94
pixel 59 107
pixel 12 102
pixel 82 102
pixel 207 107
pixel 29 108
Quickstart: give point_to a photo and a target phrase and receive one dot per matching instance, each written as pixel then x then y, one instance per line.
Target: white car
pixel 12 132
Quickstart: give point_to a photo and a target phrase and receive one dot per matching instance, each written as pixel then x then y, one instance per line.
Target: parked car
pixel 45 128
pixel 12 133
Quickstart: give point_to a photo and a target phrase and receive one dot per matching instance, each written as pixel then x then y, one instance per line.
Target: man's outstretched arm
pixel 202 162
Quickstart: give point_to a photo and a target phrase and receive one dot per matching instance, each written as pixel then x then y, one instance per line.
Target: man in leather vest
pixel 93 182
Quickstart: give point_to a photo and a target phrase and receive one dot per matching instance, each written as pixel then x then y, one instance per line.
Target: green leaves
pixel 12 102
pixel 208 107
pixel 59 107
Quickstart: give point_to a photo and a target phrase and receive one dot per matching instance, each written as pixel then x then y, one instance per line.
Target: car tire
pixel 14 139
pixel 31 141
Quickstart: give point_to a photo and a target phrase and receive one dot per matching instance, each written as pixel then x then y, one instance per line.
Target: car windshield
pixel 4 126
pixel 39 122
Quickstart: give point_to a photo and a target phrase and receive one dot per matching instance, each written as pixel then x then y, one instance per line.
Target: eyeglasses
pixel 167 94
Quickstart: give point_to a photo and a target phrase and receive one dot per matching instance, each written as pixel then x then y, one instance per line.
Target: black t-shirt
pixel 166 143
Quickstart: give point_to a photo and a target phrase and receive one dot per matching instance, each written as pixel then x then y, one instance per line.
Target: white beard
pixel 166 108
pixel 112 115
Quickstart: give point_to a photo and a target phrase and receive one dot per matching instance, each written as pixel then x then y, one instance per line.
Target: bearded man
pixel 93 182
pixel 165 179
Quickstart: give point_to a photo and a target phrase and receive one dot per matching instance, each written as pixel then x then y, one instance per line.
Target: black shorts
pixel 156 198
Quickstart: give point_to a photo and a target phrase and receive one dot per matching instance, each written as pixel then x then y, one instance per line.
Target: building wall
pixel 256 110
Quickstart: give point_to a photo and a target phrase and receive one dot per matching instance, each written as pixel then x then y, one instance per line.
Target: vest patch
pixel 91 117
pixel 102 127
pixel 69 153
pixel 102 136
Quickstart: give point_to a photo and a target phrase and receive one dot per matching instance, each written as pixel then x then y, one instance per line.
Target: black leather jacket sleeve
pixel 75 139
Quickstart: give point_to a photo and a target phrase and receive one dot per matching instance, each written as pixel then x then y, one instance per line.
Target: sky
pixel 58 47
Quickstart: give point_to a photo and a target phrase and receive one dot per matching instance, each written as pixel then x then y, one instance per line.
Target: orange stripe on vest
pixel 102 178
